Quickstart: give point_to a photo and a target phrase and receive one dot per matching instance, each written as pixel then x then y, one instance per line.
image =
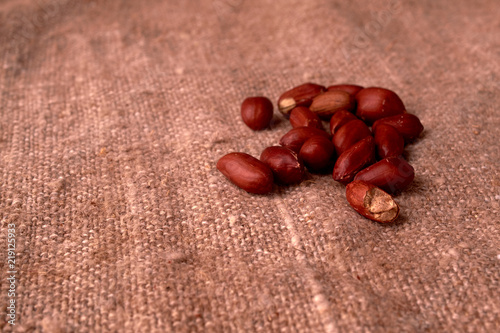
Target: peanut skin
pixel 285 164
pixel 246 172
pixel 371 202
pixel 375 103
pixel 257 112
pixel 353 160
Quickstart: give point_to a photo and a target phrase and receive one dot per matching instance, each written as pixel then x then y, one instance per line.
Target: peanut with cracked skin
pixel 301 95
pixel 371 202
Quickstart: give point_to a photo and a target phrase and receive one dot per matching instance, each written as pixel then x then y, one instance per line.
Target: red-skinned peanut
pixel 407 124
pixel 392 174
pixel 375 103
pixel 353 160
pixel 257 112
pixel 318 154
pixel 371 202
pixel 302 116
pixel 246 172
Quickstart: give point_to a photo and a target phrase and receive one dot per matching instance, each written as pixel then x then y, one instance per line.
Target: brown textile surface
pixel 114 113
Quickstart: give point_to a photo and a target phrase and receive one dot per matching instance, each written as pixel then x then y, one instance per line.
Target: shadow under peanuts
pixel 418 186
pixel 276 121
pixel 282 189
pixel 310 178
pixel 402 219
pixel 407 154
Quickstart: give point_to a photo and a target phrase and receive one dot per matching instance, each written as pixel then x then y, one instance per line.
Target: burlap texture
pixel 114 113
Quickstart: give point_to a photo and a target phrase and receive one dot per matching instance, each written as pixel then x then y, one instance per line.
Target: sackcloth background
pixel 114 113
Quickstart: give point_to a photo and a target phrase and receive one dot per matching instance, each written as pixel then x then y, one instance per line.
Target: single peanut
pixel 257 112
pixel 246 172
pixel 408 125
pixel 318 154
pixel 325 105
pixel 374 103
pixel 392 174
pixel 371 202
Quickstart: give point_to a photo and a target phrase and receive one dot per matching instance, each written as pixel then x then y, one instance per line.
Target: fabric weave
pixel 113 115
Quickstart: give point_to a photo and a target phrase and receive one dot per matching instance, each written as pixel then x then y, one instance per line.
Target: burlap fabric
pixel 114 113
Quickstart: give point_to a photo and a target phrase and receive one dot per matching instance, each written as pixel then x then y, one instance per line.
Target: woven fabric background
pixel 114 113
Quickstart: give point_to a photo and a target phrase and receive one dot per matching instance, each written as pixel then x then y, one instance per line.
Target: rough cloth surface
pixel 114 113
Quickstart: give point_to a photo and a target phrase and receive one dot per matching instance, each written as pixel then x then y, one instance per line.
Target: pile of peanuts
pixel 369 128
